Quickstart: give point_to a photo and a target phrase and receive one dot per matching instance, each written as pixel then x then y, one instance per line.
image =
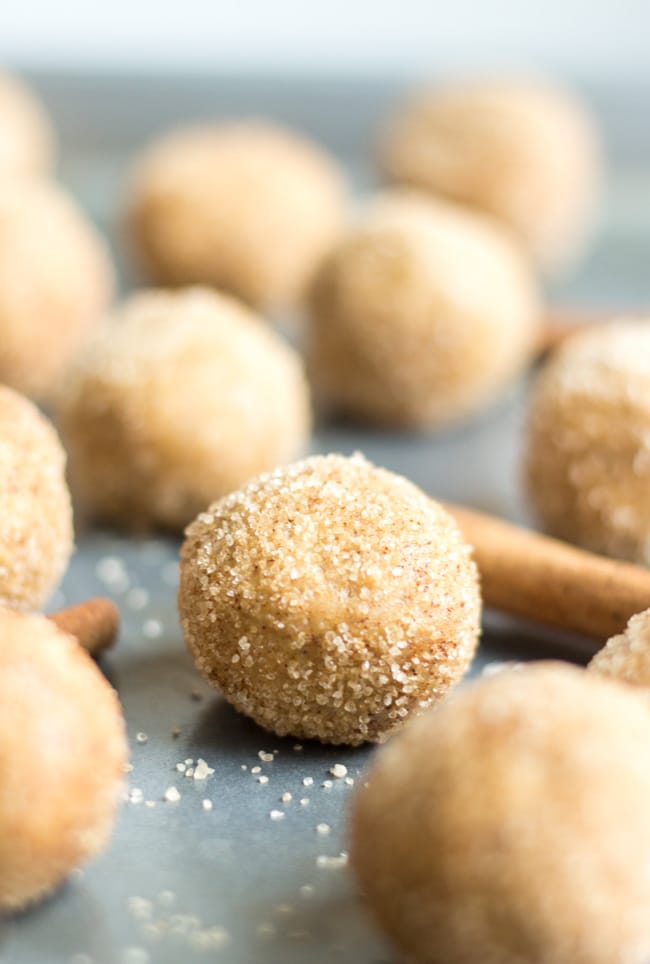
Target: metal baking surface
pixel 225 880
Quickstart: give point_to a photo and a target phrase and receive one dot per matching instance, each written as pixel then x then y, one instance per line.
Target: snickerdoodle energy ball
pixel 62 757
pixel 513 825
pixel 587 465
pixel 626 657
pixel 35 511
pixel 26 136
pixel 56 280
pixel 329 600
pixel 522 151
pixel 248 207
pixel 184 397
pixel 422 314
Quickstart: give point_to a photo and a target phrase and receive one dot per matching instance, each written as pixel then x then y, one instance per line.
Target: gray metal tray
pixel 180 881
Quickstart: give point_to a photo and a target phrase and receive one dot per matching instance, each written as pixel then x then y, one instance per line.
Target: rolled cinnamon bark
pixel 531 575
pixel 94 623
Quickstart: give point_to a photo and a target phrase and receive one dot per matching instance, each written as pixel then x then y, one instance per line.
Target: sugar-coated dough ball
pixel 422 314
pixel 627 656
pixel 587 465
pixel 513 825
pixel 26 136
pixel 329 600
pixel 55 282
pixel 62 757
pixel 184 397
pixel 248 207
pixel 35 512
pixel 524 152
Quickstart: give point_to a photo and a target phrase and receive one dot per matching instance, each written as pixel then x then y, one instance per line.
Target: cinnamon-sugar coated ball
pixel 513 825
pixel 35 512
pixel 626 657
pixel 524 152
pixel 421 315
pixel 62 756
pixel 56 280
pixel 329 600
pixel 587 465
pixel 248 207
pixel 184 397
pixel 26 135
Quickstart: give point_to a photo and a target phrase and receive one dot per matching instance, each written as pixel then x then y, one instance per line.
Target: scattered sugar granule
pixel 339 771
pixel 297 747
pixel 140 908
pixel 276 814
pixel 142 738
pixel 304 801
pixel 112 572
pixel 307 891
pixel 263 779
pixel 171 795
pixel 166 898
pixel 323 829
pixel 137 598
pixel 136 795
pixel 256 769
pixel 128 768
pixel 332 863
pixel 349 781
pixel 327 784
pixel 207 804
pixel 189 761
pixel 244 767
pixel 209 939
pixel 308 781
pixel 152 629
pixel 181 767
pixel 266 757
pixel 266 930
pixel 202 771
pixel 150 804
pixel 286 797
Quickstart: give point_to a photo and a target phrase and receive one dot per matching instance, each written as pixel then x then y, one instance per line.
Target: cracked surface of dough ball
pixel 526 153
pixel 184 397
pixel 56 280
pixel 421 315
pixel 35 512
pixel 62 756
pixel 627 656
pixel 513 825
pixel 247 207
pixel 329 600
pixel 587 463
pixel 26 135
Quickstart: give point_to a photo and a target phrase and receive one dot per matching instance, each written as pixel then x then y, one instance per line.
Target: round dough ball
pixel 513 824
pixel 35 512
pixel 62 756
pixel 184 397
pixel 587 465
pixel 526 153
pixel 26 135
pixel 627 656
pixel 55 282
pixel 421 315
pixel 329 600
pixel 247 207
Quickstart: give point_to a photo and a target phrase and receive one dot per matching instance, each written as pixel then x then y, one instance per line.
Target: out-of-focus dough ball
pixel 184 397
pixel 35 511
pixel 329 600
pixel 526 153
pixel 421 315
pixel 62 757
pixel 247 207
pixel 26 136
pixel 56 280
pixel 513 824
pixel 587 466
pixel 627 656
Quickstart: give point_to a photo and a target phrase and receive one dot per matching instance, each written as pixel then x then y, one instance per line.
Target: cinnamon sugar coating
pixel 513 824
pixel 587 464
pixel 35 513
pixel 56 280
pixel 527 153
pixel 626 657
pixel 329 600
pixel 185 396
pixel 248 206
pixel 62 756
pixel 421 315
